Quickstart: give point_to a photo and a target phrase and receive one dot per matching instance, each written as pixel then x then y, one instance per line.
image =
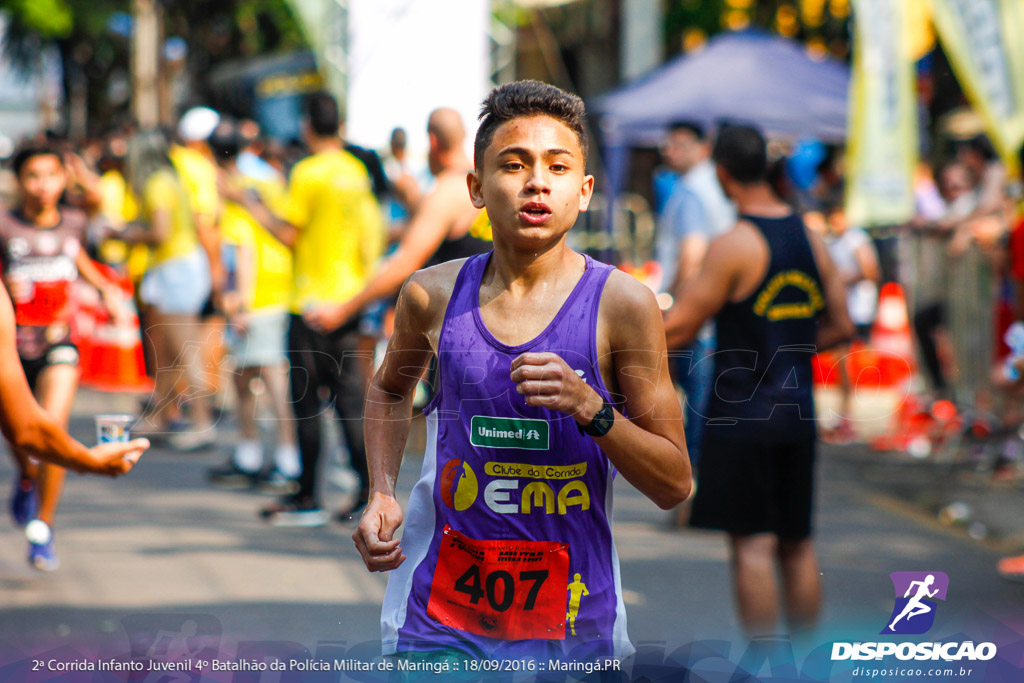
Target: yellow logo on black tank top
pixel 766 307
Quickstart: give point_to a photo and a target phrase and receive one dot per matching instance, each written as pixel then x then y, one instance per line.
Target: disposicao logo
pixel 913 613
pixel 916 592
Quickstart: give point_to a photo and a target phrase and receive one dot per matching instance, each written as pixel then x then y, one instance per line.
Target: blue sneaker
pixel 41 553
pixel 24 501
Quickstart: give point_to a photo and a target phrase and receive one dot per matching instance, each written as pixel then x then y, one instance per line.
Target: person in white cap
pixel 194 163
pixel 175 288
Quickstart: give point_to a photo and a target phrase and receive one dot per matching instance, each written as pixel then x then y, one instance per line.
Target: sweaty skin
pixel 533 185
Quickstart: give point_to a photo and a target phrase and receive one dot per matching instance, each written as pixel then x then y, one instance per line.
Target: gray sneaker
pixel 193 440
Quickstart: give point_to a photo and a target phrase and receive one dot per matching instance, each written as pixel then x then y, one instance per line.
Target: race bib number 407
pixel 509 590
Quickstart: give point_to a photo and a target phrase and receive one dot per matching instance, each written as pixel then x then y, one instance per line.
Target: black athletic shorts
pixel 59 354
pixel 750 487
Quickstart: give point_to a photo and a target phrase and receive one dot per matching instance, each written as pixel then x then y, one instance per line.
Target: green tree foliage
pixel 46 18
pixel 215 31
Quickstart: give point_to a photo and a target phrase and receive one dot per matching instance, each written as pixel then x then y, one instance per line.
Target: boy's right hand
pixel 374 537
pixel 115 458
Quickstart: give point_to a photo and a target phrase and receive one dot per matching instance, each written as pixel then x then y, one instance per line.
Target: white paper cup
pixel 113 428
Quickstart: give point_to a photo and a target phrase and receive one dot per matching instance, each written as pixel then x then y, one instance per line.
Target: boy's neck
pixel 41 216
pixel 521 270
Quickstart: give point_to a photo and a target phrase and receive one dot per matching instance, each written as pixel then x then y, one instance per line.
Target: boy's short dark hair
pixel 25 153
pixel 689 126
pixel 741 150
pixel 322 113
pixel 528 98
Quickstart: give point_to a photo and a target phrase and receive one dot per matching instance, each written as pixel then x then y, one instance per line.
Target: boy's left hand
pixel 546 380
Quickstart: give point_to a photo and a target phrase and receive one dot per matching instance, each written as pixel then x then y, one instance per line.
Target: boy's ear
pixel 475 189
pixel 586 192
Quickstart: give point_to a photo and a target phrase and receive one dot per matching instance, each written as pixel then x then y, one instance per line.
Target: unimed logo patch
pixel 509 432
pixel 916 592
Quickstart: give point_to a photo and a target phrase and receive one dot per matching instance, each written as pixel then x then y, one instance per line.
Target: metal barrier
pixel 631 234
pixel 961 291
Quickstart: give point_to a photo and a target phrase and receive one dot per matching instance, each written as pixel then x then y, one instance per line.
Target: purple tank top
pixel 508 531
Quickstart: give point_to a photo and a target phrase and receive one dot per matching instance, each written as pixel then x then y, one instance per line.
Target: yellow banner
pixel 984 40
pixel 882 138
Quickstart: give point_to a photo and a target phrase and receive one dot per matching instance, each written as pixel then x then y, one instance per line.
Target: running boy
pixel 41 256
pixel 534 340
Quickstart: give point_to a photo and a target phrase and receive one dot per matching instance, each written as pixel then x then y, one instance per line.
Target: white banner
pixel 882 141
pixel 409 57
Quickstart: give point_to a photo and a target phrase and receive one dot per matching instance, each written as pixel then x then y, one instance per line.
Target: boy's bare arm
pixel 649 448
pixel 418 316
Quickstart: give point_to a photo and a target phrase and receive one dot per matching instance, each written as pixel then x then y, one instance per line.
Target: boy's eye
pixel 513 165
pixel 559 167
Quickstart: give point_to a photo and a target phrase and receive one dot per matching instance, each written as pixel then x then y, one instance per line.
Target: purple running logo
pixel 914 610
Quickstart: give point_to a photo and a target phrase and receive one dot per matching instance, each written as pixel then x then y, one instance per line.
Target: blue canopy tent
pixel 747 76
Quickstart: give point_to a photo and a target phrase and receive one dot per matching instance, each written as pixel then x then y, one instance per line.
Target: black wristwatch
pixel 602 422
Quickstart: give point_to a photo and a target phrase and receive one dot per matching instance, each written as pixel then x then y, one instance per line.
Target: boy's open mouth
pixel 535 213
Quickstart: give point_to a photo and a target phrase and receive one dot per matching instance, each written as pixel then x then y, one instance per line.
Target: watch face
pixel 602 422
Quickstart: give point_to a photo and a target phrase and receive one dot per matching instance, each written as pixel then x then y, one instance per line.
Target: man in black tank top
pixel 776 299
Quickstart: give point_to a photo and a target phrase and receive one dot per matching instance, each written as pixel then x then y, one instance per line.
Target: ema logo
pixel 458 485
pixel 914 610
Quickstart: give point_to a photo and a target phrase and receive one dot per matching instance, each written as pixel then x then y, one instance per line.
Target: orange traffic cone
pixel 893 347
pixel 110 352
pixel 891 338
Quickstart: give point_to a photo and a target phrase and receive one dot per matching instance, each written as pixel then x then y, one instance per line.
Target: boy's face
pixel 42 180
pixel 533 181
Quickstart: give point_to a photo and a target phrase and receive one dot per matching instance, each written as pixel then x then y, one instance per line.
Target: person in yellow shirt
pixel 255 298
pixel 175 287
pixel 119 206
pixel 198 172
pixel 336 231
